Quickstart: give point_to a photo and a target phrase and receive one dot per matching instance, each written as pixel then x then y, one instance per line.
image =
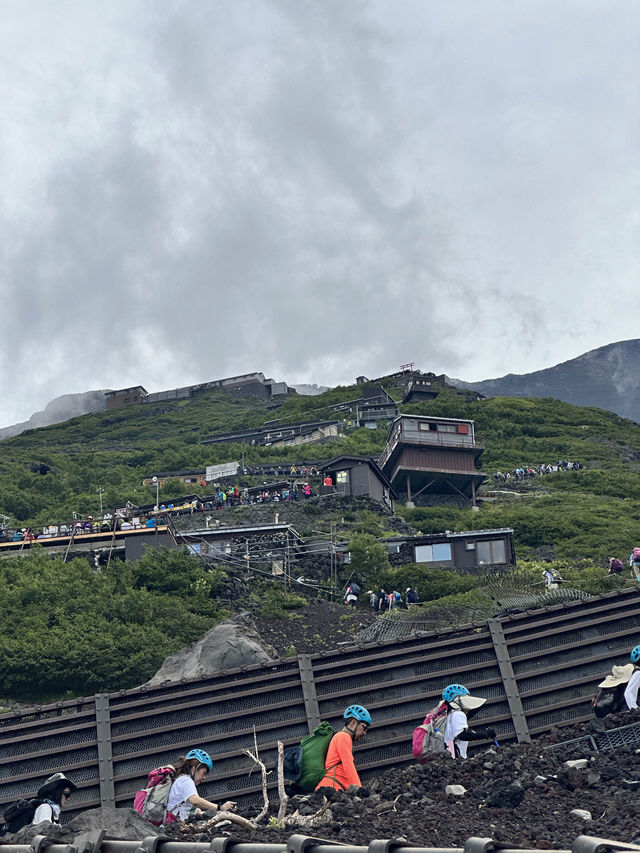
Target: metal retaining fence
pixel 95 842
pixel 536 669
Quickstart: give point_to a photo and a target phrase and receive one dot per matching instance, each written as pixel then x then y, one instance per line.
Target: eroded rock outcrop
pixel 232 643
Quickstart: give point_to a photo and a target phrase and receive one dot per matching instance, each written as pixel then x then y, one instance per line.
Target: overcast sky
pixel 312 188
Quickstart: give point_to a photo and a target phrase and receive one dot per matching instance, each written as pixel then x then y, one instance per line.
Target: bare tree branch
pixel 284 799
pixel 256 758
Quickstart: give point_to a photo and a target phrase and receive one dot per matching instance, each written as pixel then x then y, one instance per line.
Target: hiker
pixel 460 706
pixel 610 697
pixel 340 771
pixel 183 797
pixel 351 597
pixel 411 596
pixel 631 693
pixel 551 579
pixel 54 793
pixel 327 481
pixel 373 600
pixel 634 562
pixel 615 566
pixel 395 599
pixel 383 600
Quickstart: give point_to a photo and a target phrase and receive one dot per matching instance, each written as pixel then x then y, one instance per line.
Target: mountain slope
pixel 59 410
pixel 607 377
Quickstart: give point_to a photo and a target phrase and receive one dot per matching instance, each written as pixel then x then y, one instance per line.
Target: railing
pixel 427 439
pixel 95 842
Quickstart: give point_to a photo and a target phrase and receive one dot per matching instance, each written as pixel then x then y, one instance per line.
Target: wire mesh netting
pixel 498 595
pixel 604 741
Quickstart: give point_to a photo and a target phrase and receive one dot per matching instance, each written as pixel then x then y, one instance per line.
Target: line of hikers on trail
pixel 323 759
pixel 525 472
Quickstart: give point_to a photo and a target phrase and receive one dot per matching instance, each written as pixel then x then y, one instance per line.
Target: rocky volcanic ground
pixel 321 624
pixel 520 795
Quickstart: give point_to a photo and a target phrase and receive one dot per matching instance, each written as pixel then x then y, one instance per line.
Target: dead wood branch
pixel 256 758
pixel 282 794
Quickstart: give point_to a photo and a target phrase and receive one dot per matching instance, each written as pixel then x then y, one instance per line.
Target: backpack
pixel 636 553
pixel 20 813
pixel 151 802
pixel 355 588
pixel 428 739
pixel 304 764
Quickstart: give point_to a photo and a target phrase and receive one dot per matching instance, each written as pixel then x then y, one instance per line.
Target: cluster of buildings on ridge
pixel 424 456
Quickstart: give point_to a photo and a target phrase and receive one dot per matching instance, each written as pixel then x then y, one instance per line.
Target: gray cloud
pixel 313 189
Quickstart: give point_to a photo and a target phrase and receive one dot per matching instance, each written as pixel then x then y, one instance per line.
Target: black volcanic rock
pixel 607 377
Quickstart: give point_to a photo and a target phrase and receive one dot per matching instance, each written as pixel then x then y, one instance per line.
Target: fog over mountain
pixel 59 410
pixel 607 377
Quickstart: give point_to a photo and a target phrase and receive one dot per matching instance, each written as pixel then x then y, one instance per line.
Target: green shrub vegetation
pixel 69 630
pixel 274 602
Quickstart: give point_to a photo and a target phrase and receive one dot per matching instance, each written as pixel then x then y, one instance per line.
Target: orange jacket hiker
pixel 340 771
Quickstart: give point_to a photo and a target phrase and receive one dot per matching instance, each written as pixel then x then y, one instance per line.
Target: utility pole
pixel 287 564
pixel 333 562
pixel 100 490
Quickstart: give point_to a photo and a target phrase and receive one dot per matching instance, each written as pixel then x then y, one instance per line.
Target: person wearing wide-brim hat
pixel 54 793
pixel 610 697
pixel 460 707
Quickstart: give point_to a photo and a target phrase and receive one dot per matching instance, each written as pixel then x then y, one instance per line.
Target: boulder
pixel 455 790
pixel 116 823
pixel 228 645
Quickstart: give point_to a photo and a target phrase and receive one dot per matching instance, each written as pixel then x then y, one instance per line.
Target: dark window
pixel 492 551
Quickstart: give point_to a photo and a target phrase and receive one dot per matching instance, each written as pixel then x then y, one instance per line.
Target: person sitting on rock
pixel 55 793
pixel 339 770
pixel 460 706
pixel 184 799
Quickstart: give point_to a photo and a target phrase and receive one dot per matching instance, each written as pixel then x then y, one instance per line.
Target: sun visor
pixel 470 703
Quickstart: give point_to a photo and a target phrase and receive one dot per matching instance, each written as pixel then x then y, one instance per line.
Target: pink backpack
pixel 151 802
pixel 636 553
pixel 428 739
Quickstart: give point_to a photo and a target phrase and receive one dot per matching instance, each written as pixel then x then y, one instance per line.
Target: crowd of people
pixel 382 601
pixel 129 517
pixel 528 472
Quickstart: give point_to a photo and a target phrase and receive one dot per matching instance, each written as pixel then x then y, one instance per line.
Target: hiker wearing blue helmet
pixel 460 706
pixel 339 770
pixel 631 693
pixel 184 799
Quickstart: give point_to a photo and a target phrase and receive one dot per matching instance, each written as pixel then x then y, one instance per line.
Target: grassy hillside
pixel 594 512
pixel 92 634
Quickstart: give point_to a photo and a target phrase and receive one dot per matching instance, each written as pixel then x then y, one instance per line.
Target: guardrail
pixel 94 842
pixel 536 669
